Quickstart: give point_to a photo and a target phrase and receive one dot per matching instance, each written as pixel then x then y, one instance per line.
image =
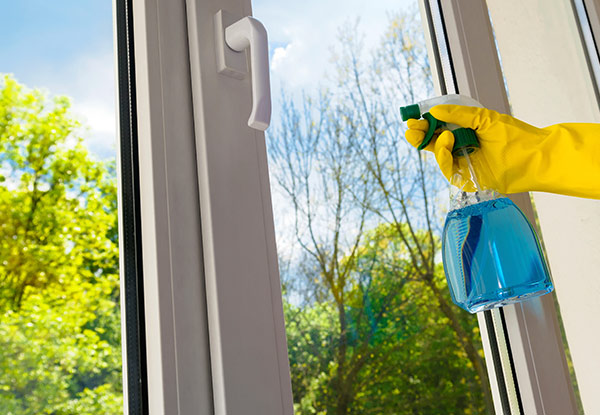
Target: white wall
pixel 549 82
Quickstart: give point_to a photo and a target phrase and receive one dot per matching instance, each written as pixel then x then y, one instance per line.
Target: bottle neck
pixel 465 154
pixel 461 197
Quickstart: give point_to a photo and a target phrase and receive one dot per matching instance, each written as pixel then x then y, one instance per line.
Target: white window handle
pixel 244 33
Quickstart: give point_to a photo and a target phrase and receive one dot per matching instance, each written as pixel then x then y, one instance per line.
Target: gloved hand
pixel 515 156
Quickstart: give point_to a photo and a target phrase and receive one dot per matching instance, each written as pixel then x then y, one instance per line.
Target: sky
pixel 302 34
pixel 66 48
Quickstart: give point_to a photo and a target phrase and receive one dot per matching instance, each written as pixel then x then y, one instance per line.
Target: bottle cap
pixel 464 138
pixel 410 111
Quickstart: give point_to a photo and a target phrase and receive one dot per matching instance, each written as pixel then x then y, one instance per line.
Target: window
pixel 60 329
pixel 203 306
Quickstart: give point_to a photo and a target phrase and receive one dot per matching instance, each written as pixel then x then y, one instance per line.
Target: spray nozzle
pixel 464 138
pixel 410 111
pixel 414 112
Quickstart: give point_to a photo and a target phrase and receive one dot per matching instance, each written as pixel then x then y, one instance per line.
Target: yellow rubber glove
pixel 515 156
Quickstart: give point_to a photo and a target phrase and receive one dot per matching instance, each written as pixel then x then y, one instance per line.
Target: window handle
pixel 245 33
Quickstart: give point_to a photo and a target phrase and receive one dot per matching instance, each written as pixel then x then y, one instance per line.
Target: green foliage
pixel 312 333
pixel 59 282
pixel 402 354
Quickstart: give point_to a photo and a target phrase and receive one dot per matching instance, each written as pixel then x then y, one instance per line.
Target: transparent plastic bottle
pixel 491 254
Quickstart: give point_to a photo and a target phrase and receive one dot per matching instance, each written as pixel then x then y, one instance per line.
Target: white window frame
pixel 209 256
pixel 178 359
pixel 215 332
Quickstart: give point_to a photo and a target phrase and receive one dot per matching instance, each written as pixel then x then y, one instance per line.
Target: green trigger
pixel 434 124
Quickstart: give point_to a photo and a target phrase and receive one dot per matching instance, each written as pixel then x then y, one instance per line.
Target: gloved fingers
pixel 443 153
pixel 467 117
pixel 416 133
pixel 415 124
pixel 414 137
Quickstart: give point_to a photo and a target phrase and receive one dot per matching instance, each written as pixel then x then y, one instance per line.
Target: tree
pixel 59 293
pixel 316 167
pixel 405 202
pixel 403 353
pixel 343 164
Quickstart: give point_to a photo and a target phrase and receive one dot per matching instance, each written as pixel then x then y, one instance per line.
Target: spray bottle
pixel 491 254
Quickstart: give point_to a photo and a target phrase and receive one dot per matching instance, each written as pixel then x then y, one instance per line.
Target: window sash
pixel 533 363
pixel 179 370
pixel 214 323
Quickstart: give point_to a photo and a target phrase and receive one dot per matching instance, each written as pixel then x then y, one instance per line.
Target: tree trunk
pixel 343 404
pixel 342 396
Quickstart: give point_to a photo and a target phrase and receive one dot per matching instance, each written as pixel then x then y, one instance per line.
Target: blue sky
pixel 302 33
pixel 66 47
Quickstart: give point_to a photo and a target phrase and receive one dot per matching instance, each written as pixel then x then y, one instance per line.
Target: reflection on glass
pixel 60 348
pixel 371 328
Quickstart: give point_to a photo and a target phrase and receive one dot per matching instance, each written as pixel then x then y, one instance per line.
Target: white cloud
pixel 90 83
pixel 99 116
pixel 100 119
pixel 309 29
pixel 287 66
pixel 279 56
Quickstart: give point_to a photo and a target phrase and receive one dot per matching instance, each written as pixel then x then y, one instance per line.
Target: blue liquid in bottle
pixel 492 256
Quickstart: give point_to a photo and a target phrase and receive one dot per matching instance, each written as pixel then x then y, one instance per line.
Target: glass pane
pixel 60 346
pixel 371 327
pixel 564 339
